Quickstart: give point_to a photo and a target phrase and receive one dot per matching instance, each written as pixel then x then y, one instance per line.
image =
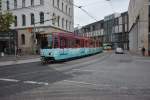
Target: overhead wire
pixel 111 5
pixel 85 11
pixel 80 7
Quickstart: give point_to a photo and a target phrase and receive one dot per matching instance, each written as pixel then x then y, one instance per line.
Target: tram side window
pixel 82 43
pixel 62 43
pixel 56 42
pixel 77 43
pixel 50 41
pixel 71 43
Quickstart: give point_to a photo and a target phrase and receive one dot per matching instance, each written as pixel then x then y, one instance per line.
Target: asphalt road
pixel 106 76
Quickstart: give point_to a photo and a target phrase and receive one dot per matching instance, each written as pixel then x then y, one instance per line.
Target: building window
pixel 66 9
pixel 15 4
pixel 58 3
pixel 23 39
pixel 69 11
pixel 32 2
pixel 93 28
pixel 53 2
pixel 62 22
pixel 58 20
pixel 41 2
pixel 66 24
pixel 149 19
pixel 32 19
pixel 23 20
pixel 41 18
pixel 23 3
pixel 62 6
pixel 0 5
pixel 53 19
pixel 15 21
pixel 7 5
pixel 70 26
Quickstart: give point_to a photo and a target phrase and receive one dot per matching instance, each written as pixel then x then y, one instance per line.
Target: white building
pixel 48 16
pixel 139 25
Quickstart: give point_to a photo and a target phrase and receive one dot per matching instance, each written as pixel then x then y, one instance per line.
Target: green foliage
pixel 5 21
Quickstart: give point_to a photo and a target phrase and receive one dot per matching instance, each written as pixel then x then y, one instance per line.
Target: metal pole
pixel 9 43
pixel 34 39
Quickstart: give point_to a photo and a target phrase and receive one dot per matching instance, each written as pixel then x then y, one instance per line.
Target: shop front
pixel 8 41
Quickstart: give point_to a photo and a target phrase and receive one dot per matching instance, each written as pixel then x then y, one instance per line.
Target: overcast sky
pixel 98 9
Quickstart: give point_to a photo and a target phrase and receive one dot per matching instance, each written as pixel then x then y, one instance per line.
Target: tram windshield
pixel 50 41
pixel 47 42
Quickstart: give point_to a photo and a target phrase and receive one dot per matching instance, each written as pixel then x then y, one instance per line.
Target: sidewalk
pixel 11 60
pixel 139 56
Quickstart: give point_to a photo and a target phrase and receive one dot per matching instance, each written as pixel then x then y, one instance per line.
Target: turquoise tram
pixel 63 46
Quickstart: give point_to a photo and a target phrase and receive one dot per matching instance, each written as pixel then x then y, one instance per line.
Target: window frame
pixel 32 2
pixel 23 3
pixel 16 21
pixel 15 4
pixel 23 39
pixel 42 16
pixel 32 18
pixel 7 4
pixel 41 2
pixel 23 20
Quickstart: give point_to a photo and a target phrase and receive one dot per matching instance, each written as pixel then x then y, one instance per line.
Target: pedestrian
pixel 143 51
pixel 19 52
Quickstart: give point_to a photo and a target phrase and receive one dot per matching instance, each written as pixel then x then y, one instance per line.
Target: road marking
pixel 9 80
pixel 85 83
pixel 34 82
pixel 143 60
pixel 124 88
pixel 26 82
pixel 84 70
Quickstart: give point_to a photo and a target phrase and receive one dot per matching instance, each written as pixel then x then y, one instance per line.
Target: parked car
pixel 119 51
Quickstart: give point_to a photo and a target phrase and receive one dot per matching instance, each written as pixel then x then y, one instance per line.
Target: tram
pixel 63 46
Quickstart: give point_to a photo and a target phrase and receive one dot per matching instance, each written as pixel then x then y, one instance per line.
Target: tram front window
pixel 50 41
pixel 47 42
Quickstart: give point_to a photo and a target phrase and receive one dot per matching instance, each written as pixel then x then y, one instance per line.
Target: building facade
pixel 112 30
pixel 139 25
pixel 8 40
pixel 116 30
pixel 36 17
pixel 94 31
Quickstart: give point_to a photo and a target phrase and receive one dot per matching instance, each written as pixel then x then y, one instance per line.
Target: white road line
pixel 84 70
pixel 26 82
pixel 9 80
pixel 85 83
pixel 143 60
pixel 34 82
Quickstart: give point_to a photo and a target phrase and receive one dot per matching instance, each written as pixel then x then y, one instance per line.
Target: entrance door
pixel 3 46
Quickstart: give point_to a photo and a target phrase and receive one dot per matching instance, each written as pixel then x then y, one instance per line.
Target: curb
pixel 16 62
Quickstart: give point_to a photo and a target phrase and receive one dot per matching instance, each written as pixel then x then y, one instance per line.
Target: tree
pixel 5 21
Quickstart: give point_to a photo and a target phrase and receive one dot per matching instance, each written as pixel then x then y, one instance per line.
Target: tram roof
pixel 70 35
